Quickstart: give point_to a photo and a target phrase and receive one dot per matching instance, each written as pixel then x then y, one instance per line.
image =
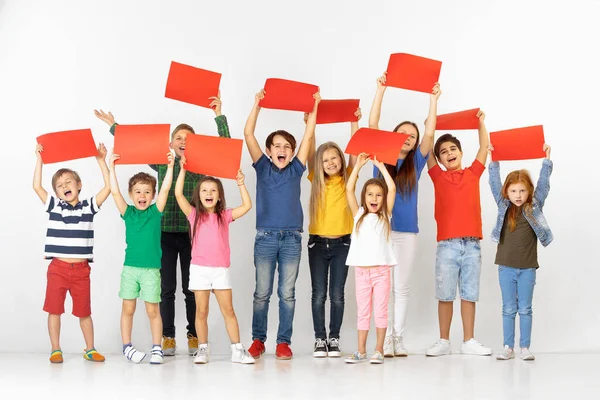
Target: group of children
pixel 375 233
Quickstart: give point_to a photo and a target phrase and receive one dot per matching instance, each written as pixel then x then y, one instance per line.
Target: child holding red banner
pixel 329 240
pixel 519 225
pixel 209 270
pixel 405 227
pixel 278 242
pixel 458 257
pixel 371 254
pixel 70 244
pixel 175 240
pixel 141 269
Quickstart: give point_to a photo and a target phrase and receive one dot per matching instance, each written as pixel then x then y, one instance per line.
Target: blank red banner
pixel 383 144
pixel 192 85
pixel 333 111
pixel 518 144
pixel 282 94
pixel 213 156
pixel 407 71
pixel 67 145
pixel 458 120
pixel 142 144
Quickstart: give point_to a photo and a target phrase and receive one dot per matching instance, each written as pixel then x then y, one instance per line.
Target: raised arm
pixel 543 184
pixel 114 186
pixel 362 159
pixel 183 203
pixel 309 131
pixel 220 119
pixel 37 175
pixel 432 160
pixel 240 211
pixel 163 194
pixel 353 129
pixel 494 178
pixel 250 139
pixel 312 152
pixel 389 181
pixel 375 113
pixel 427 142
pixel 105 191
pixel 484 139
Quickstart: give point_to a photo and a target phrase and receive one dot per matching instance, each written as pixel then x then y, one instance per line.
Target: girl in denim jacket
pixel 520 224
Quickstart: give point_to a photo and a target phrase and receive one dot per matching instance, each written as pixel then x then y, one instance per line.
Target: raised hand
pixel 113 157
pixel 490 149
pixel 436 92
pixel 259 96
pixel 363 158
pixel 547 150
pixel 358 113
pixel 240 178
pixel 38 151
pixel 101 152
pixel 378 163
pixel 481 116
pixel 216 104
pixel 381 81
pixel 109 119
pixel 170 160
pixel 182 162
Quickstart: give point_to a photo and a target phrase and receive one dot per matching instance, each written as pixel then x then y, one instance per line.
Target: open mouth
pixel 142 203
pixel 452 159
pixel 373 205
pixel 281 158
pixel 210 202
pixel 68 193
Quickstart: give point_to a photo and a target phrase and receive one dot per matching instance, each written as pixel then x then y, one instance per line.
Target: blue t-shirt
pixel 404 215
pixel 278 195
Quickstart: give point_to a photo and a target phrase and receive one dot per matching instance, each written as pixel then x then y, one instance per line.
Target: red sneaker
pixel 283 352
pixel 256 349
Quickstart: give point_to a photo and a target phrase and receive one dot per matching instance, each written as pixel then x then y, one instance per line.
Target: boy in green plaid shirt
pixel 175 240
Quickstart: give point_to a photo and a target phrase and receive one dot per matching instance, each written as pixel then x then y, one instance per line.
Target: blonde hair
pixel 317 191
pixel 383 213
pixel 61 172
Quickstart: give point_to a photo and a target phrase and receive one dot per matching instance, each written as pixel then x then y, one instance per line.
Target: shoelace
pixel 320 343
pixel 169 343
pixel 200 351
pixel 334 343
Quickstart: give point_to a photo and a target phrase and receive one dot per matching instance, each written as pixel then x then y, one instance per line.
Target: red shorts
pixel 71 277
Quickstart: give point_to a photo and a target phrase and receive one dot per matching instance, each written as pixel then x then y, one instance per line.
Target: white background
pixel 524 63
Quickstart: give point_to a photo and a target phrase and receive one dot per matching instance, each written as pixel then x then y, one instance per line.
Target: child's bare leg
pixel 54 330
pixel 380 339
pixel 127 311
pixel 362 341
pixel 202 299
pixel 445 310
pixel 155 322
pixel 87 327
pixel 225 300
pixel 467 311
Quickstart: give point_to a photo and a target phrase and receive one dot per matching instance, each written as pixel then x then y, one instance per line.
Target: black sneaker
pixel 320 349
pixel 334 347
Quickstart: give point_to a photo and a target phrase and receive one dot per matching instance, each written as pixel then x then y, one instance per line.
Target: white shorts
pixel 209 278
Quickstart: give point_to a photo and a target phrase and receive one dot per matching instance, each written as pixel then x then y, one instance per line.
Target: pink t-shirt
pixel 210 247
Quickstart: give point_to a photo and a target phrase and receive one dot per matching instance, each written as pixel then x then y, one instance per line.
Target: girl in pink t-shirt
pixel 209 270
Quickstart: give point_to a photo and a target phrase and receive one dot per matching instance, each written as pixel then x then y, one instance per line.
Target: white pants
pixel 405 247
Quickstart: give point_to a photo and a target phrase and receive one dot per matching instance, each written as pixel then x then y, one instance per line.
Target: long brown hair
pixel 201 211
pixel 317 191
pixel 405 177
pixel 383 213
pixel 521 176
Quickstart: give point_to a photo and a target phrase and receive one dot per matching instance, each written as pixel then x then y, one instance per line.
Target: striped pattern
pixel 70 231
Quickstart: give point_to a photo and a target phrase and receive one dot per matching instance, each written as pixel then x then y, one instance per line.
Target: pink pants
pixel 372 288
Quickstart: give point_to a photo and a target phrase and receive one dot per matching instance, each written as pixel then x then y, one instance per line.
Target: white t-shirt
pixel 370 246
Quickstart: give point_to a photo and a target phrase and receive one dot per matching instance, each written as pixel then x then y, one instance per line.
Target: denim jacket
pixel 537 221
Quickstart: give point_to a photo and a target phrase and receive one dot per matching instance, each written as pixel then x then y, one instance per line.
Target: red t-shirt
pixel 457 202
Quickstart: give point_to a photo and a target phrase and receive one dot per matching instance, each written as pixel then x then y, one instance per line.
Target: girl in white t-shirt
pixel 371 254
pixel 209 269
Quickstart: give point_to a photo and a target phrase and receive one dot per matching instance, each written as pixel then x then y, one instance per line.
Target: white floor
pixel 550 376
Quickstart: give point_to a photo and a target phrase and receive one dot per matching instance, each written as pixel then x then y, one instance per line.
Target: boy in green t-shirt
pixel 141 269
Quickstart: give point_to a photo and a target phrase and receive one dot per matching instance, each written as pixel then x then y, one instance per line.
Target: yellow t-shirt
pixel 335 217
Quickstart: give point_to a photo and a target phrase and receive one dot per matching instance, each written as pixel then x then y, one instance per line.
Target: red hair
pixel 515 177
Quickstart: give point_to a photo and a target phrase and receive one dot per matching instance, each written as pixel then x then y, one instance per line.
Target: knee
pixel 525 311
pixel 319 296
pixel 509 311
pixel 337 296
pixel 201 314
pixel 287 293
pixel 153 312
pixel 228 312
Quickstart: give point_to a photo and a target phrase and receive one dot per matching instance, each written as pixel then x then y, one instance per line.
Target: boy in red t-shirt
pixel 458 256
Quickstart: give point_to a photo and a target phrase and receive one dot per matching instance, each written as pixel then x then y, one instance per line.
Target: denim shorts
pixel 458 261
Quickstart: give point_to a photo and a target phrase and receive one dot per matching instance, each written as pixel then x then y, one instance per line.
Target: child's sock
pixel 125 346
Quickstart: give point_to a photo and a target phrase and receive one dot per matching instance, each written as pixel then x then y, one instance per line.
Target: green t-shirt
pixel 142 235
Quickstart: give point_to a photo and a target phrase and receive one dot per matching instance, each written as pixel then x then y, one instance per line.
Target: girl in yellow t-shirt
pixel 329 241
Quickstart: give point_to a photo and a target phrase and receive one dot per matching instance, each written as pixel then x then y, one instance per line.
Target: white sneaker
pixel 157 355
pixel 507 354
pixel 388 346
pixel 240 355
pixel 440 348
pixel 399 349
pixel 201 355
pixel 376 358
pixel 134 355
pixel 526 355
pixel 356 358
pixel 474 348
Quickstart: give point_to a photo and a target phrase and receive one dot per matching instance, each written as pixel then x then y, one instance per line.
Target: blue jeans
pixel 328 256
pixel 458 261
pixel 516 285
pixel 281 250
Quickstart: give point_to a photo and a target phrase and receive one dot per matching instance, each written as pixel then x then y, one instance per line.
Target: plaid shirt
pixel 173 219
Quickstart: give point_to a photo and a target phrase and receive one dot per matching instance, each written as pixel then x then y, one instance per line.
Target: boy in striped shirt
pixel 69 244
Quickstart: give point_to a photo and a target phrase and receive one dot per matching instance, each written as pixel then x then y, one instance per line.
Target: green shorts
pixel 141 283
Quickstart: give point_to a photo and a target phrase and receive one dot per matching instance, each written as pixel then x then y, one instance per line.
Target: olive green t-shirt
pixel 142 235
pixel 517 249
